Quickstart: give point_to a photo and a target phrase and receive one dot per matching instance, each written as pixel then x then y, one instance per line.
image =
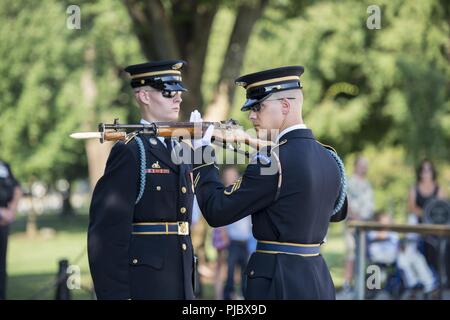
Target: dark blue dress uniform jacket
pixel 123 265
pixel 301 214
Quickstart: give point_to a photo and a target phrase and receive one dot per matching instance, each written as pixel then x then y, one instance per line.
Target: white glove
pixel 206 139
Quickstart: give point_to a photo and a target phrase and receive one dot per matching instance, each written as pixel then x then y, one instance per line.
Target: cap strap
pixel 155 73
pixel 272 81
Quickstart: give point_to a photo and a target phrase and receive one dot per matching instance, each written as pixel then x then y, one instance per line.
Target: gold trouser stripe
pixel 292 244
pixel 155 73
pixel 260 83
pixel 295 254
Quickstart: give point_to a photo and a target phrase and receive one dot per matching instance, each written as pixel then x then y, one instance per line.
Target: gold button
pixel 135 261
pixel 158 188
pixel 183 189
pixel 183 210
pixel 184 246
pixel 252 272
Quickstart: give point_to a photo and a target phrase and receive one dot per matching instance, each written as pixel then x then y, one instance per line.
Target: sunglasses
pixel 257 107
pixel 167 93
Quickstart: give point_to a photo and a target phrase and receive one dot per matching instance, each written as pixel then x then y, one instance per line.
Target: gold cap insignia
pixel 177 66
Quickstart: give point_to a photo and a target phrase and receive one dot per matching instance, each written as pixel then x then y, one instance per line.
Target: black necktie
pixel 168 142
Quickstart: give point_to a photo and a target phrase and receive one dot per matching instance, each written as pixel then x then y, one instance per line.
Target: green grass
pixel 334 253
pixel 33 262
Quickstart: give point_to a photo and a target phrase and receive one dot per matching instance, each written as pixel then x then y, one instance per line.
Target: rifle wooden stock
pixel 114 136
pixel 190 132
pixel 225 133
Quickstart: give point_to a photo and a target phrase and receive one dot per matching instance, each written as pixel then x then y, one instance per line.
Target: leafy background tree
pixel 383 93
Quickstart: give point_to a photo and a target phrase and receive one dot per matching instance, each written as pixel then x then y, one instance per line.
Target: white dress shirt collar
pixel 289 129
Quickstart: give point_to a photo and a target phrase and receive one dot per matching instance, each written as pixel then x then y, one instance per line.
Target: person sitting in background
pixel 385 248
pixel 383 245
pixel 360 207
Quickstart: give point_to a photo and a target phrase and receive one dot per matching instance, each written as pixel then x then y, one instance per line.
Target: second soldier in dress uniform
pixel 291 206
pixel 139 244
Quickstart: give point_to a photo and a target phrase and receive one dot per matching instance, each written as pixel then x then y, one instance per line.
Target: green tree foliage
pixel 41 94
pixel 382 92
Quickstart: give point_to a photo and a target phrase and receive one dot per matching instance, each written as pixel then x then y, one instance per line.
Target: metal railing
pixel 362 227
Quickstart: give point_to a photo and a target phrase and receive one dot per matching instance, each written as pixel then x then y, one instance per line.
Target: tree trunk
pixel 247 15
pixel 193 37
pixel 182 34
pixel 97 153
pixel 153 29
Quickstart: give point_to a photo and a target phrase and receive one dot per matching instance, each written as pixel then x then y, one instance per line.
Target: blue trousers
pixel 237 255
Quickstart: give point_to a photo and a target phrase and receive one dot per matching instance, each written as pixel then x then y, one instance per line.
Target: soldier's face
pixel 161 108
pixel 267 120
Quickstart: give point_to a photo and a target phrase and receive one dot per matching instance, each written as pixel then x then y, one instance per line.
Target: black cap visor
pixel 173 86
pixel 258 95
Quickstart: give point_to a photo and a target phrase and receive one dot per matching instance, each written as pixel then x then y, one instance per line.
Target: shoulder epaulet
pixel 279 144
pixel 131 137
pixel 343 180
pixel 327 146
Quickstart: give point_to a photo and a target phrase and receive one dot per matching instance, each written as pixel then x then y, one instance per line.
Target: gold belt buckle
pixel 183 228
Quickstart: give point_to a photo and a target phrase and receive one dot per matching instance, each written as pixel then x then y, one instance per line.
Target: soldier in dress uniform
pixel 139 242
pixel 292 191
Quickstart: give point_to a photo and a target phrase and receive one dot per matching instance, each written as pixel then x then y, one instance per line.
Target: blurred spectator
pixel 10 193
pixel 383 245
pixel 220 243
pixel 360 207
pixel 425 190
pixel 199 231
pixel 239 234
pixel 251 244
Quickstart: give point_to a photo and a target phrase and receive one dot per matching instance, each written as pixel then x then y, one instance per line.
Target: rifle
pixel 228 134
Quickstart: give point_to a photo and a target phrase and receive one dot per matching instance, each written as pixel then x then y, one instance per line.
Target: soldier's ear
pixel 285 106
pixel 143 96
